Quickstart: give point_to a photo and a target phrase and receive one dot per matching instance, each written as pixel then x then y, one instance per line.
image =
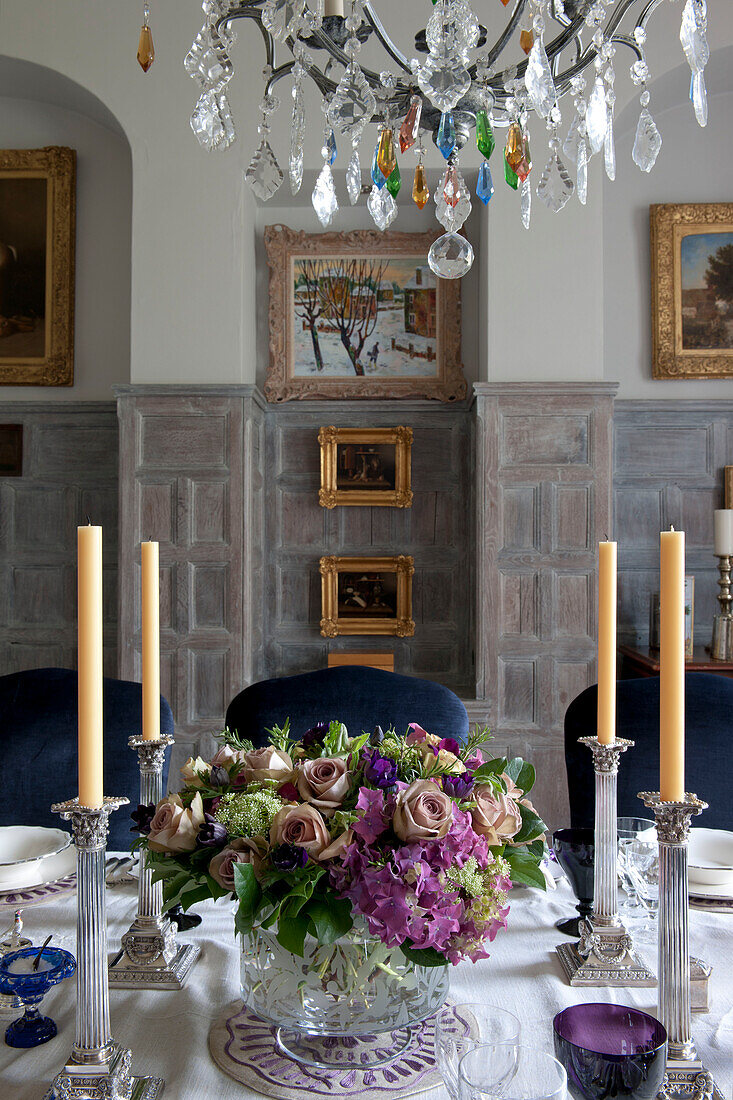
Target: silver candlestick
pixel 150 958
pixel 685 1075
pixel 722 644
pixel 98 1068
pixel 605 953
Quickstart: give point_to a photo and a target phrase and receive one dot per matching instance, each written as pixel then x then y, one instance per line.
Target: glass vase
pixel 356 992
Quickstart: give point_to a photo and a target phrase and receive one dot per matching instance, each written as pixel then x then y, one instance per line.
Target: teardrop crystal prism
pixel 581 178
pixel 451 256
pixel 647 143
pixel 145 48
pixel 353 103
pixel 444 79
pixel 282 17
pixel 555 187
pixel 353 178
pixel 485 140
pixel 609 149
pixel 410 127
pixel 420 192
pixel 446 137
pixel 538 79
pixel 264 174
pixel 572 140
pixel 382 207
pixel 378 178
pixel 699 97
pixel 451 187
pixel 297 137
pixel 514 148
pixel 485 185
pixel 596 119
pixel 526 41
pixel 693 35
pixel 525 203
pixel 394 183
pixel 330 152
pixel 324 198
pixel 510 175
pixel 386 159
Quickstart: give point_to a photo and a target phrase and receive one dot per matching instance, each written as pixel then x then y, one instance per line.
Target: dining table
pixel 168 1030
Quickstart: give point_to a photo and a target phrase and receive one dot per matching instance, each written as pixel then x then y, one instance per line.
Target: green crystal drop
pixel 394 182
pixel 484 135
pixel 510 175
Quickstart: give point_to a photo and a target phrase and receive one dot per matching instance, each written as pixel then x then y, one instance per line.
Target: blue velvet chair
pixel 40 717
pixel 709 737
pixel 360 697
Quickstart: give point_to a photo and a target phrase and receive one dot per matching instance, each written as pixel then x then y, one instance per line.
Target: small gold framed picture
pixel 367 596
pixel 729 487
pixel 365 467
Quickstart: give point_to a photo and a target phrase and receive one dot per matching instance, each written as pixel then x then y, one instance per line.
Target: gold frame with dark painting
pixel 365 467
pixel 37 248
pixel 367 596
pixel 728 488
pixel 692 290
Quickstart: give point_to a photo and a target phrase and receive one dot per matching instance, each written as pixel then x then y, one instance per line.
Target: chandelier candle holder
pixel 151 958
pixel 604 956
pixel 98 1067
pixel 461 83
pixel 685 1077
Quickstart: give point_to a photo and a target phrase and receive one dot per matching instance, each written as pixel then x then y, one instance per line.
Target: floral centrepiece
pixel 413 838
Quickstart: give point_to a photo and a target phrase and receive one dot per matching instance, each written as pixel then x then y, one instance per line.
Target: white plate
pixel 24 852
pixel 711 858
pixel 719 893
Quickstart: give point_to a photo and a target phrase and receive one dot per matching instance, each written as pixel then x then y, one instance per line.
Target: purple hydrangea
pixel 375 814
pixel 315 735
pixel 380 771
pixel 288 857
pixel 142 817
pixel 458 786
pixel 212 833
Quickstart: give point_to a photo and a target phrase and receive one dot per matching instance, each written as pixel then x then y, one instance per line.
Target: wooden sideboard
pixel 645 662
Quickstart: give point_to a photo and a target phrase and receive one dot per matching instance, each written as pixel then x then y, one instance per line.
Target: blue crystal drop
pixel 446 134
pixel 331 149
pixel 485 185
pixel 377 174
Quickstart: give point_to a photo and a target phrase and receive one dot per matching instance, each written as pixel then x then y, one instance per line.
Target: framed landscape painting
pixel 692 290
pixel 359 315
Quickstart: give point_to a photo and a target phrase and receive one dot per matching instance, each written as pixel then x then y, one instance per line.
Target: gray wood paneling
pixel 69 473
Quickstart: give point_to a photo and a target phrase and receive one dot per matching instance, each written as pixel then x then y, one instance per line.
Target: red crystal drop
pixel 451 186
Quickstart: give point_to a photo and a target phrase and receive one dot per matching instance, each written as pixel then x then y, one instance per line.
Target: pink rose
pixel 324 782
pixel 175 828
pixel 337 846
pixel 495 816
pixel 516 793
pixel 302 826
pixel 239 850
pixel 267 763
pixel 226 757
pixel 422 812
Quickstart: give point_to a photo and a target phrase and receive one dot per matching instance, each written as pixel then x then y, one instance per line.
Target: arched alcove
pixel 38 107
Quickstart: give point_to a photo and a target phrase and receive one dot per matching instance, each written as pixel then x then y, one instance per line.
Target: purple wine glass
pixel 610 1050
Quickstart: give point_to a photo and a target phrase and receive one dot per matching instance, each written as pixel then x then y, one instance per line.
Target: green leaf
pixel 243 921
pixel 532 825
pixel 246 887
pixel 522 773
pixel 331 918
pixel 192 894
pixel 523 867
pixel 291 933
pixel 424 956
pixel 490 768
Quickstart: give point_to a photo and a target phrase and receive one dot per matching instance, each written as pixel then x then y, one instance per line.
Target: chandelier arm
pixel 647 12
pixel 506 34
pixel 278 74
pixel 378 28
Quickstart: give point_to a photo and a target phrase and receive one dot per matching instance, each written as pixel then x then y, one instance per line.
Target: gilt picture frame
pixel 728 487
pixel 365 467
pixel 37 262
pixel 360 315
pixel 369 596
pixel 692 290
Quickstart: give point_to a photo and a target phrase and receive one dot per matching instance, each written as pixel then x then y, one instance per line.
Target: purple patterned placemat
pixel 38 895
pixel 244 1047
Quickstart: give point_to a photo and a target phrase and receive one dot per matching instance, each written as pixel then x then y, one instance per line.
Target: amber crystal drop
pixel 505 2
pixel 145 49
pixel 526 41
pixel 514 150
pixel 411 125
pixel 386 159
pixel 420 192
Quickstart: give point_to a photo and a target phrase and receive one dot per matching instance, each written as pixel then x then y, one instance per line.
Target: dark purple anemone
pixel 458 786
pixel 142 817
pixel 288 857
pixel 380 771
pixel 212 833
pixel 315 735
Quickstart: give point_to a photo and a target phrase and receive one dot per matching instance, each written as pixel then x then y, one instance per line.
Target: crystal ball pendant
pixel 451 256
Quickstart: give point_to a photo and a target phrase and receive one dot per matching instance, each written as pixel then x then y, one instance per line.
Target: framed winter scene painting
pixel 360 314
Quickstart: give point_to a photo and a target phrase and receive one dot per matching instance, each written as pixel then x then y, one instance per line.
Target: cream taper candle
pixel 723 545
pixel 672 666
pixel 150 641
pixel 607 588
pixel 90 658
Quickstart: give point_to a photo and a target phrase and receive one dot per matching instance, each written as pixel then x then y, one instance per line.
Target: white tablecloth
pixel 168 1031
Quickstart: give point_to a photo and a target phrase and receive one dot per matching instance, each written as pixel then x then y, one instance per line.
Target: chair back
pixel 360 697
pixel 39 710
pixel 708 735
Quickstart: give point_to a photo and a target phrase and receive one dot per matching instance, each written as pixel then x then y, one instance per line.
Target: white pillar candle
pixel 723 546
pixel 334 7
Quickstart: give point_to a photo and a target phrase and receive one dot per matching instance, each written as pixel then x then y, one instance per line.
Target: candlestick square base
pixel 111 1079
pixel 603 957
pixel 688 1081
pixel 126 974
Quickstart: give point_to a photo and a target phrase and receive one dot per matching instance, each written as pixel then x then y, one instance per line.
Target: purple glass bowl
pixel 610 1051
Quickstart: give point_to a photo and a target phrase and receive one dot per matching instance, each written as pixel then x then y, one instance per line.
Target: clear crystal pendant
pixel 596 118
pixel 264 174
pixel 647 143
pixel 382 207
pixel 699 97
pixel 353 177
pixel 282 18
pixel 452 29
pixel 538 79
pixel 444 79
pixel 609 148
pixel 452 200
pixel 693 36
pixel 555 187
pixel 207 62
pixel 212 121
pixel 451 256
pixel 353 103
pixel 324 198
pixel 572 140
pixel 581 179
pixel 525 203
pixel 297 131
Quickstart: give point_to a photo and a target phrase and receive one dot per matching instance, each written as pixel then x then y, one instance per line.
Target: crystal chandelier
pixel 460 83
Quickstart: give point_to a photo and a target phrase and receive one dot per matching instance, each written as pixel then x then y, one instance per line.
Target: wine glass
pixel 575 852
pixel 628 829
pixel 642 860
pixel 504 1071
pixel 460 1028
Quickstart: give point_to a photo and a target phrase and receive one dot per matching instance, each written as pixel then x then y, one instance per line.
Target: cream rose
pixel 337 846
pixel 175 828
pixel 495 816
pixel 324 782
pixel 239 850
pixel 226 757
pixel 302 826
pixel 266 763
pixel 193 770
pixel 422 812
